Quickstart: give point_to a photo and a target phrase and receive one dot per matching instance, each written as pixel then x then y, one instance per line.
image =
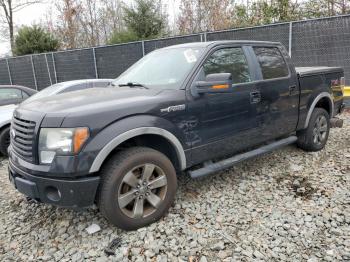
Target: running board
pixel 226 163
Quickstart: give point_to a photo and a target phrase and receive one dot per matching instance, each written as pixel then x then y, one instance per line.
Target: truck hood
pixel 90 100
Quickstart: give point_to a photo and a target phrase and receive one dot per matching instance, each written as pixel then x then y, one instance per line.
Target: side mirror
pixel 215 83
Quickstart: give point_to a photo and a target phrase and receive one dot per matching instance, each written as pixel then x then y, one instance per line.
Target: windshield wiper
pixel 133 84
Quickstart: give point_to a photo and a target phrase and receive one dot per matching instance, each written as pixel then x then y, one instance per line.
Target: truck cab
pixel 194 108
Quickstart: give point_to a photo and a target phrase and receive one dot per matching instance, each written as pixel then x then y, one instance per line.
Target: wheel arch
pixel 4 125
pixel 323 100
pixel 135 133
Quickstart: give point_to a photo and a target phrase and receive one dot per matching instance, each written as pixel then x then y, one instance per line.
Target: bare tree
pixel 8 8
pixel 204 15
pixel 111 18
pixel 82 23
pixel 89 22
pixel 67 24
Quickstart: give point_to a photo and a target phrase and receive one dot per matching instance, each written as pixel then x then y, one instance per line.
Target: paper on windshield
pixel 190 56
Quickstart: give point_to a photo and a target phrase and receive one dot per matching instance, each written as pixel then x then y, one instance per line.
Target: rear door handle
pixel 292 90
pixel 255 97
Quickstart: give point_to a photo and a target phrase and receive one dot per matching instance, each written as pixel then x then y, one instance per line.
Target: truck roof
pixel 213 43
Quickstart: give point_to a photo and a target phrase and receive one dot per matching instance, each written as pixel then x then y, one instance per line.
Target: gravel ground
pixel 288 205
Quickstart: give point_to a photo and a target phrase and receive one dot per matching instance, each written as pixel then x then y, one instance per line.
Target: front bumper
pixel 73 193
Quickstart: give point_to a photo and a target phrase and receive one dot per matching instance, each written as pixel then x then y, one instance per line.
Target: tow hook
pixel 336 122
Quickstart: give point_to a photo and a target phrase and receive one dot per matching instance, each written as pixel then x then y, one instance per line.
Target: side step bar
pixel 226 163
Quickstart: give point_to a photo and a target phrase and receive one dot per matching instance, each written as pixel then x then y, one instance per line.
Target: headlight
pixel 60 141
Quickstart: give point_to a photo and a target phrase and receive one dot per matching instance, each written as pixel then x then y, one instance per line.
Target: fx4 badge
pixel 173 108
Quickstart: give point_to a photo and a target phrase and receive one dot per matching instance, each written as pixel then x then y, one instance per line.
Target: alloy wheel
pixel 320 130
pixel 142 191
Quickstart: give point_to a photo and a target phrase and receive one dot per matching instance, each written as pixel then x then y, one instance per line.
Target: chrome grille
pixel 22 136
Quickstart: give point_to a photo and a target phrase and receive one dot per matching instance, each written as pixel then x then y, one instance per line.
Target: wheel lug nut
pixel 144 183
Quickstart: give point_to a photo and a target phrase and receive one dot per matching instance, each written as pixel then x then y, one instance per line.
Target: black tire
pixel 306 137
pixel 4 140
pixel 113 176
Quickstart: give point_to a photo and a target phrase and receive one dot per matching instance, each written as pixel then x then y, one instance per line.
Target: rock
pixel 247 253
pixel 149 254
pixel 296 168
pixel 222 254
pixel 308 218
pixel 136 251
pixel 92 253
pixel 218 246
pixel 257 254
pixel 330 252
pixel 203 259
pixel 219 219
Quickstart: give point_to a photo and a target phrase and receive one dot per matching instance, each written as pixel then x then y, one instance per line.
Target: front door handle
pixel 292 90
pixel 255 97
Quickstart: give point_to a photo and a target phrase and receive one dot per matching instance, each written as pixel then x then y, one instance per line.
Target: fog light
pixel 53 193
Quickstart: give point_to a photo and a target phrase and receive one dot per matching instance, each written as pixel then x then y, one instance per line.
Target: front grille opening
pixel 22 136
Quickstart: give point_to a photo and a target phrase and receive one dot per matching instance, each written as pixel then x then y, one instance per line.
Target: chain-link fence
pixel 317 42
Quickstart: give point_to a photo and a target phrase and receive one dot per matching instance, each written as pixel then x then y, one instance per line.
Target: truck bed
pixel 303 71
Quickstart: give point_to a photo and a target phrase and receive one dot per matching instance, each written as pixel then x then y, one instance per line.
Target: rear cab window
pixel 271 62
pixel 227 60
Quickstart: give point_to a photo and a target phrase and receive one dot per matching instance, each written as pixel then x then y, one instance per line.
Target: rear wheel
pixel 4 140
pixel 138 187
pixel 315 136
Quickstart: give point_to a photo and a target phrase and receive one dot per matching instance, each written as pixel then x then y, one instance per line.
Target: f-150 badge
pixel 173 108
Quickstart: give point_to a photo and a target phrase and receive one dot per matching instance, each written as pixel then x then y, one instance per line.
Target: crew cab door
pixel 226 121
pixel 278 110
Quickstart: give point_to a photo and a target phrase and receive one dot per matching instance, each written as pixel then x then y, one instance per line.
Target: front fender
pixel 115 134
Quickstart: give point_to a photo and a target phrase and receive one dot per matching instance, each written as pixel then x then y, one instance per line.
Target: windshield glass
pixel 165 68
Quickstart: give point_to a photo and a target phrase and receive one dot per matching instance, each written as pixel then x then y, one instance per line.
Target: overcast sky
pixel 36 13
pixel 26 16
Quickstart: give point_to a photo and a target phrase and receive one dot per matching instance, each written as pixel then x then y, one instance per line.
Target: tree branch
pixel 25 4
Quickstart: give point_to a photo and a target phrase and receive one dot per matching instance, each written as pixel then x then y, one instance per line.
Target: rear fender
pixel 314 103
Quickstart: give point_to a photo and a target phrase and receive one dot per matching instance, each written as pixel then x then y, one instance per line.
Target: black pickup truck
pixel 198 107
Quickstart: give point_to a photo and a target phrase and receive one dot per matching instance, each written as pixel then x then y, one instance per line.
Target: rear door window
pixel 24 95
pixel 228 60
pixel 10 94
pixel 271 62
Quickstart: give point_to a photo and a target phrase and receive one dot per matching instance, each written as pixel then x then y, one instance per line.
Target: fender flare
pixel 312 107
pixel 107 149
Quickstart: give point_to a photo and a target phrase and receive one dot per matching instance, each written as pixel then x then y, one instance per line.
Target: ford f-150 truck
pixel 197 107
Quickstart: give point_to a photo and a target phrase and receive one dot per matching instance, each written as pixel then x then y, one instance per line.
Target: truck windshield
pixel 165 68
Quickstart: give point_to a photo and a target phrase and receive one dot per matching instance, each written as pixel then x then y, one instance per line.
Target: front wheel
pixel 315 136
pixel 138 187
pixel 4 140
